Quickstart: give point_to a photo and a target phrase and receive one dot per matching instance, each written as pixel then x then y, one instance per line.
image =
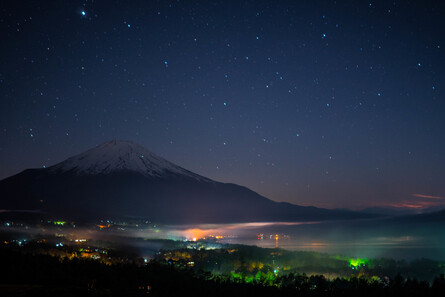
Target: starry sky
pixel 337 104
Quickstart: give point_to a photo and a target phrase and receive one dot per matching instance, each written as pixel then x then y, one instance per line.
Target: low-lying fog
pixel 365 239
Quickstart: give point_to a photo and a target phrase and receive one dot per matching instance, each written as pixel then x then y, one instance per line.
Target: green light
pixel 236 276
pixel 267 279
pixel 60 223
pixel 358 262
pixel 258 276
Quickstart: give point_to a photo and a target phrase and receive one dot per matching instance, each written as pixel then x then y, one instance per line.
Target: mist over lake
pixel 386 238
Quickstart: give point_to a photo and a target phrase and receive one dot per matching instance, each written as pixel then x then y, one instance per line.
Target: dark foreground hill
pixel 34 274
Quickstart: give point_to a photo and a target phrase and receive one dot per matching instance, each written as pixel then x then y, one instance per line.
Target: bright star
pixel 83 13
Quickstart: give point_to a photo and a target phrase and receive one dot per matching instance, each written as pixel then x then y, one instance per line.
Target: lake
pixel 362 239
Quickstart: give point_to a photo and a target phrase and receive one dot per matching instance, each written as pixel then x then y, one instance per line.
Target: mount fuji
pixel 123 179
pixel 123 156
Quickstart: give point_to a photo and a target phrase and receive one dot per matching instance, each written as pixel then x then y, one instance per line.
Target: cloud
pixel 427 201
pixel 427 196
pixel 417 204
pixel 413 205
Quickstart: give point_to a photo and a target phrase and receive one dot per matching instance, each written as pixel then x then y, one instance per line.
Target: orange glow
pixel 104 226
pixel 408 205
pixel 427 196
pixel 416 204
pixel 195 234
pixel 222 231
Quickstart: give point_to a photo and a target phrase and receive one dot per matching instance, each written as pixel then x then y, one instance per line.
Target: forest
pixel 177 272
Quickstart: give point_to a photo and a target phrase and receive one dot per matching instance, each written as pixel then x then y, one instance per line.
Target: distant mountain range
pixel 123 179
pixel 430 217
pixel 401 211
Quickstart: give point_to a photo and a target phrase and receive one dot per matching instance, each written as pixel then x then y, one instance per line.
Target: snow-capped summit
pixel 117 156
pixel 123 179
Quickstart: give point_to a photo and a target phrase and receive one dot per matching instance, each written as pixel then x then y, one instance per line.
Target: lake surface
pixel 363 239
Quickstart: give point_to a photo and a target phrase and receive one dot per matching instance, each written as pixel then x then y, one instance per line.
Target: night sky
pixel 328 103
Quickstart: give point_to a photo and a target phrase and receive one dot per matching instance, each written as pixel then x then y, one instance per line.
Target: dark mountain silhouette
pixel 431 217
pixel 123 179
pixel 397 211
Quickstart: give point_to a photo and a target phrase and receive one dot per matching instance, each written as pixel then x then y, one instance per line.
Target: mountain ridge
pixel 119 178
pixel 118 155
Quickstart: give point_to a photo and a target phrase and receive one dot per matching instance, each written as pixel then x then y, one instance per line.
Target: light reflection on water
pixel 368 239
pixel 360 239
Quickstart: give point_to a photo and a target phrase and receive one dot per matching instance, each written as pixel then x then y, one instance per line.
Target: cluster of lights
pixel 355 263
pixel 105 226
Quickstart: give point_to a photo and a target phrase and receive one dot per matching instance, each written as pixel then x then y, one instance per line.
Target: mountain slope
pixel 120 156
pixel 121 178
